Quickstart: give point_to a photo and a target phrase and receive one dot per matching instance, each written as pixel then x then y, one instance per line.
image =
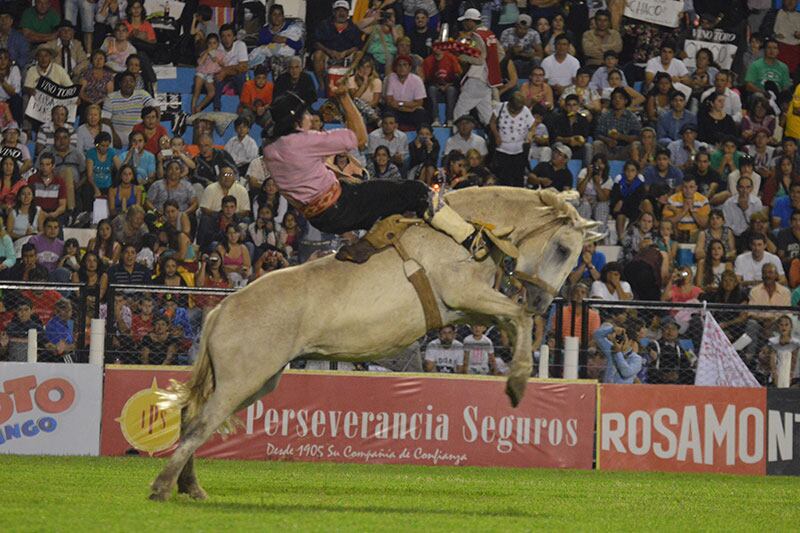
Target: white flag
pixel 719 364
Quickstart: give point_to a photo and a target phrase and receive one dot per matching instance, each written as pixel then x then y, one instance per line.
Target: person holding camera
pixel 618 344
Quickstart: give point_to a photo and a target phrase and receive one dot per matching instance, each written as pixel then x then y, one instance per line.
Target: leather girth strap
pixel 419 280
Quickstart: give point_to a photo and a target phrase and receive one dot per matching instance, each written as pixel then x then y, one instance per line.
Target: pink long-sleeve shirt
pixel 297 161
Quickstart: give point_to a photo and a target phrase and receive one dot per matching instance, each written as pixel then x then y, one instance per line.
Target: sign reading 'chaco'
pixel 372 419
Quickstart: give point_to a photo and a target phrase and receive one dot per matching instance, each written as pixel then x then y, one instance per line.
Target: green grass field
pixel 109 494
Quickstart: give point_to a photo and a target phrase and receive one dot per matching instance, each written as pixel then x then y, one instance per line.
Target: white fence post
pixel 783 379
pixel 544 361
pixel 97 342
pixel 571 345
pixel 33 345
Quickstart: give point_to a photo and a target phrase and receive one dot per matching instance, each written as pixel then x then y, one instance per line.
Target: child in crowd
pixel 208 64
pixel 242 148
pixel 256 97
pixel 478 352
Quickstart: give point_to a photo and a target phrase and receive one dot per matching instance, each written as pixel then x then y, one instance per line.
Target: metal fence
pixel 147 324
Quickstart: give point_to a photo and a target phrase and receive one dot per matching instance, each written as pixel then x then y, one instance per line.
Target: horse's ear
pixel 593 236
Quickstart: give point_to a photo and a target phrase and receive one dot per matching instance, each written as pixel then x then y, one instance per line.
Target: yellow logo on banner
pixel 147 427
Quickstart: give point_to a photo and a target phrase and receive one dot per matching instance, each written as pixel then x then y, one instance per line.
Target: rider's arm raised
pixel 353 119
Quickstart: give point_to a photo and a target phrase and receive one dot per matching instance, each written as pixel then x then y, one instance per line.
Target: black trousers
pixel 510 169
pixel 363 204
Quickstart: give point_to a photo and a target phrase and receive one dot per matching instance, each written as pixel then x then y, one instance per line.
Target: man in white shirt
pixel 476 93
pixel 667 62
pixel 211 201
pixel 242 147
pixel 739 208
pixel 733 103
pixel 45 66
pixel 465 139
pixel 561 67
pixel 389 136
pixel 749 266
pixel 234 64
pixel 444 354
pixel 478 353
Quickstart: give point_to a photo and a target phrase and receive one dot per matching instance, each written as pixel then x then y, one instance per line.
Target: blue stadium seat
pixel 615 167
pixel 575 166
pixel 442 134
pixel 637 86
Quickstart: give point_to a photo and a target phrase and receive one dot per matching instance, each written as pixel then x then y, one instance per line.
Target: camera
pixel 620 338
pixel 384 17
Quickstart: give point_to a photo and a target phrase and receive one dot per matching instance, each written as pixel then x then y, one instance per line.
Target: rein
pixel 533 279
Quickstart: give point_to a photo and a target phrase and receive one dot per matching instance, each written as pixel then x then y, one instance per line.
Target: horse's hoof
pixel 514 392
pixel 195 492
pixel 159 496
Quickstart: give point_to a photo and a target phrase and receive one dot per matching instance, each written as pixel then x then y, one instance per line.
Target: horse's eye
pixel 562 251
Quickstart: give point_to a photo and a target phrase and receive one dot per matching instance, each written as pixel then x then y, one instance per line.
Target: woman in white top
pixel 610 287
pixel 24 218
pixel 511 125
pixel 594 186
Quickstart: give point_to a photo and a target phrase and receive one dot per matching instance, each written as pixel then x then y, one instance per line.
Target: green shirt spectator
pixel 38 23
pixel 768 68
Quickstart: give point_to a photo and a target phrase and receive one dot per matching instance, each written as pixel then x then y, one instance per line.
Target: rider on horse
pixel 295 157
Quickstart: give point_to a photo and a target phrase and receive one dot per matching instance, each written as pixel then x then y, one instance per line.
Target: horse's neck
pixel 499 206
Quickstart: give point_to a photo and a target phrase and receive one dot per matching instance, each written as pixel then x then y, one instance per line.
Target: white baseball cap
pixel 341 3
pixel 470 14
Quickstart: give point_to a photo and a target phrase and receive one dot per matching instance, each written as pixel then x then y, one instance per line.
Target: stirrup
pixel 358 252
pixel 477 246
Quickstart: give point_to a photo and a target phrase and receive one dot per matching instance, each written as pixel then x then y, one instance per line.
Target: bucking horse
pixel 339 311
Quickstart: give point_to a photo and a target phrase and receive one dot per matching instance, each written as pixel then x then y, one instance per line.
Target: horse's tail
pixel 193 394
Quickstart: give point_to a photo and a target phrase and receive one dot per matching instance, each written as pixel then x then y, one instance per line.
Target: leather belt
pixel 319 204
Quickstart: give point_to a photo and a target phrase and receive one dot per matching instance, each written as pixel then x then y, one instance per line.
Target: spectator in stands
pixel 102 163
pixel 405 94
pixel 759 224
pixel 523 45
pixel 177 152
pixel 381 167
pixel 118 48
pixel 600 77
pixel 226 185
pixel 297 81
pixel 716 230
pixel 389 136
pixel 561 67
pixel 759 117
pixel 749 266
pixel 210 161
pixel 788 248
pixel 511 126
pixel 594 186
pixel 10 88
pixel 211 275
pixel 59 118
pixel 17 330
pixel 712 266
pixel 10 183
pixel 590 264
pixel 70 166
pixel 124 192
pixel 128 271
pixel 173 188
pixel 69 52
pixel 627 196
pixel 610 285
pixel 8 258
pixel 768 68
pixel 740 207
pixel 441 71
pixel 142 71
pixel 673 363
pixel 733 103
pixel 279 38
pixel 589 104
pixel 234 64
pixel 667 62
pixel 160 346
pixel 105 245
pixel 483 70
pixel 465 138
pixel 537 91
pixel 422 35
pixel 15 42
pixel 150 127
pixel 122 109
pixel 478 352
pixel 714 124
pixel 91 273
pixel 47 68
pixel 671 123
pixel 23 219
pixel 49 190
pixel 129 228
pixel 769 291
pixel 242 147
pixel 662 171
pixel 49 247
pixel 785 206
pixel 601 39
pixel 444 354
pixel 211 230
pixel 209 63
pixel 235 256
pixel 141 32
pixel 638 236
pixel 617 128
pixel 382 36
pixel 424 155
pixel 658 97
pixel 616 343
pixel 12 146
pixel 336 39
pixel 142 161
pixel 573 129
pixel 257 89
pixel 90 127
pixel 553 173
pixel 688 210
pixel 39 22
pixel 745 170
pixel 59 334
pixel 683 152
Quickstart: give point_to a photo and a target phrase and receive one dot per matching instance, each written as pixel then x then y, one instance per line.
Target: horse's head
pixel 548 251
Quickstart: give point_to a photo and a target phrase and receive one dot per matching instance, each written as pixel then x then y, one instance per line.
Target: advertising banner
pixel 50 408
pixel 661 12
pixel 682 429
pixel 370 418
pixel 50 94
pixel 783 432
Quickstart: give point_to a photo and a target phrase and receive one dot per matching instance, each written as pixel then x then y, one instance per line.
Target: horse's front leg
pixel 522 362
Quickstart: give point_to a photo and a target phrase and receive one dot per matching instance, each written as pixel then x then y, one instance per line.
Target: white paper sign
pixel 48 95
pixel 661 12
pixel 50 408
pixel 719 365
pixel 158 7
pixel 723 52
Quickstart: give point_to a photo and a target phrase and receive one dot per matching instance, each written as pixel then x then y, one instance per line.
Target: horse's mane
pixel 514 206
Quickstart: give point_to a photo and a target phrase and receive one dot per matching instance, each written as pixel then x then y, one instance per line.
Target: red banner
pixel 370 418
pixel 682 428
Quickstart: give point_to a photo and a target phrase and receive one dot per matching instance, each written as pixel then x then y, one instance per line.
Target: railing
pixel 132 336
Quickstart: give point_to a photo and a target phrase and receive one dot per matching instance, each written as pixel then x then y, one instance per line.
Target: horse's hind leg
pixel 220 406
pixel 187 480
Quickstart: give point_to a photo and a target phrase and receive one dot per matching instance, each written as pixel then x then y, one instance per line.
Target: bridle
pixel 534 279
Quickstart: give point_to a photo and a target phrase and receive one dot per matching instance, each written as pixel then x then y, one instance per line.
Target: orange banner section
pixel 682 429
pixel 370 418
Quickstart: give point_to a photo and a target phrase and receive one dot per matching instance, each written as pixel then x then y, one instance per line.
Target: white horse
pixel 346 312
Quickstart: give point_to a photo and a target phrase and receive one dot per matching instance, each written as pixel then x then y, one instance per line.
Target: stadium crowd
pixel 689 160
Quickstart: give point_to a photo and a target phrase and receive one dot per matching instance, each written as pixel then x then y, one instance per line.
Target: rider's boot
pixel 447 220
